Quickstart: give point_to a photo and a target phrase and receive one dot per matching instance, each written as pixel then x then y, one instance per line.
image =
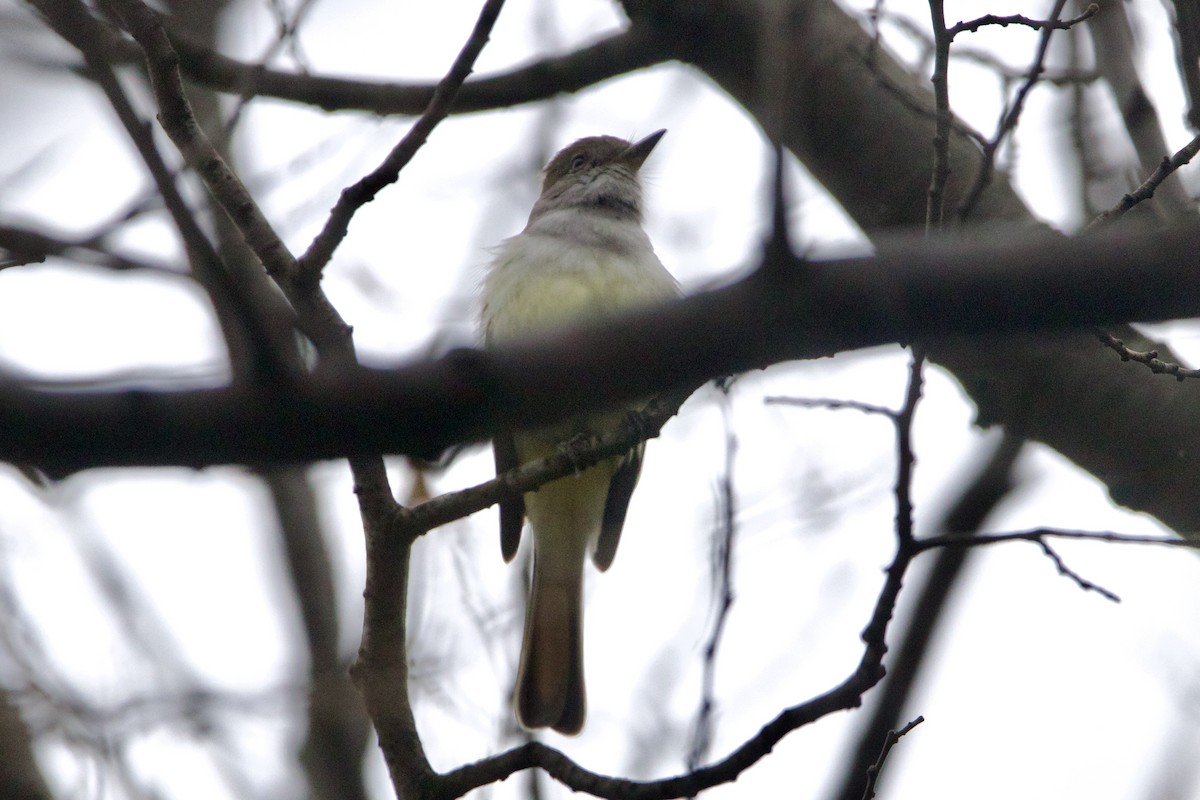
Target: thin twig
pixel 1148 357
pixel 355 197
pixel 1067 572
pixel 30 246
pixel 888 743
pixel 1038 534
pixel 1054 23
pixel 830 403
pixel 988 59
pixel 936 194
pixel 1012 116
pixel 450 506
pixel 1144 192
pixel 722 578
pixel 904 451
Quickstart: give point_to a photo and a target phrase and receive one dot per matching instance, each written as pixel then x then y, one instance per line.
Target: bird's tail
pixel 550 691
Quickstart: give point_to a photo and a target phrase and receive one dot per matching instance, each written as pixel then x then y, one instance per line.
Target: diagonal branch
pixel 363 192
pixel 264 328
pixel 1166 168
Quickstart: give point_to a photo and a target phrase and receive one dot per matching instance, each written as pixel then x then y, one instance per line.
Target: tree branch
pixel 1058 390
pixel 1053 23
pixel 614 55
pixel 355 197
pixel 910 291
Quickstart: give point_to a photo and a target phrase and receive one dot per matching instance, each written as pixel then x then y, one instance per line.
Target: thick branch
pixel 911 291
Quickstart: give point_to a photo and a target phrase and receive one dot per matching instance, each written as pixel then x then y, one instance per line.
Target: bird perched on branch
pixel 583 254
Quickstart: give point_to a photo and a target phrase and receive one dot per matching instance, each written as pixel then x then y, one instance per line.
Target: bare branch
pixel 1054 23
pixel 541 80
pixel 892 738
pixel 830 403
pixel 264 326
pixel 356 196
pixel 1067 572
pixel 454 505
pixel 908 292
pixel 177 120
pixel 1148 357
pixel 1012 115
pixel 1144 192
pixel 935 195
pixel 1116 53
pixel 31 246
pixel 905 459
pixel 1038 534
pixel 723 538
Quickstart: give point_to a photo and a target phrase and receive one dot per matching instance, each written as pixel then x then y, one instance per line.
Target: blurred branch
pixel 1187 48
pixel 338 727
pixel 910 291
pixel 1116 60
pixel 612 56
pixel 262 323
pixel 27 246
pixel 724 536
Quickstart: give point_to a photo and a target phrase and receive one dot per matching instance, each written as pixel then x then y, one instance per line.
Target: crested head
pixel 597 174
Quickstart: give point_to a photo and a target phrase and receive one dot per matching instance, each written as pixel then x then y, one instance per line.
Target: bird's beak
pixel 637 153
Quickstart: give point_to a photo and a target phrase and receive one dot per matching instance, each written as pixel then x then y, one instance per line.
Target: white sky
pixel 1039 690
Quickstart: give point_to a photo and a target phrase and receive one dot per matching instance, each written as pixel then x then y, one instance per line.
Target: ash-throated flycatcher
pixel 583 254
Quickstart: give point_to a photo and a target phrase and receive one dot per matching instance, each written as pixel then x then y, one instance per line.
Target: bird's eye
pixel 578 161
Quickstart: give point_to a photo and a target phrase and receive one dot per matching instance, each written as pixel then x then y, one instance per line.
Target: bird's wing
pixel 620 490
pixel 512 511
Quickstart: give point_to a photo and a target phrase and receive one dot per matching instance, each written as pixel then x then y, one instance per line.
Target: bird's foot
pixel 576 448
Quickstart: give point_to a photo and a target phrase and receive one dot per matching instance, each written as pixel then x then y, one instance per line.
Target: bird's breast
pixel 538 282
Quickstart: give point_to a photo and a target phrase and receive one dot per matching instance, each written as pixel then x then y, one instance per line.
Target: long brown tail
pixel 550 691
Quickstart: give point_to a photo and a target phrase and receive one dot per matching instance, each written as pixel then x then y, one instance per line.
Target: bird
pixel 583 254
